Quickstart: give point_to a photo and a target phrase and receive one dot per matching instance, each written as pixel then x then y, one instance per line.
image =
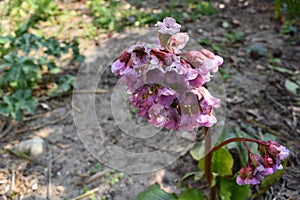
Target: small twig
pixel 12 186
pixel 42 125
pixel 277 103
pixel 36 116
pixel 94 177
pixel 53 143
pixel 7 130
pixel 97 91
pixel 19 154
pixel 49 173
pixel 263 126
pixel 88 193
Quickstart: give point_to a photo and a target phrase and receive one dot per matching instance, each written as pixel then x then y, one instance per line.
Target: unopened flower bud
pixel 125 56
pixel 207 53
pixel 256 160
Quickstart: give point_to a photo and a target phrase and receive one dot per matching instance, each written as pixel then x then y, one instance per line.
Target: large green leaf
pixel 154 192
pixel 191 194
pixel 222 162
pixel 230 190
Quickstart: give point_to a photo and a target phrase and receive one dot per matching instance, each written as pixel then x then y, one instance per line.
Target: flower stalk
pixel 207 162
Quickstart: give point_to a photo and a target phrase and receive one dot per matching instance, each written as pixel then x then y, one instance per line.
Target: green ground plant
pixel 117 15
pixel 288 12
pixel 28 63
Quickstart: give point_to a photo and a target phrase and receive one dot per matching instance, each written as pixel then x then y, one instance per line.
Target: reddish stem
pixel 236 140
pixel 207 162
pixel 248 149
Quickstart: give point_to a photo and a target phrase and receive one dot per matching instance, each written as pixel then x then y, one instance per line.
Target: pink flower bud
pixel 207 53
pixel 125 56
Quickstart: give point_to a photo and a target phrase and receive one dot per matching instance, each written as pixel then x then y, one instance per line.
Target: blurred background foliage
pixel 35 57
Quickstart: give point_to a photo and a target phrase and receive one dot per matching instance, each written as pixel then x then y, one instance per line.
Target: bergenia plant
pixel 167 86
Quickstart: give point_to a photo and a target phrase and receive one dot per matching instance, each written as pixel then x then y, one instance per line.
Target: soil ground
pixel 257 101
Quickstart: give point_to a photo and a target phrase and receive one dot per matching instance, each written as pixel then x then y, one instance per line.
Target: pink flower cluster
pixel 166 83
pixel 269 160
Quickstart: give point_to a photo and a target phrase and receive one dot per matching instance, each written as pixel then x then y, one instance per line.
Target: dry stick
pixel 264 127
pixel 42 125
pixel 49 173
pixel 94 177
pixel 97 91
pixel 88 193
pixel 7 130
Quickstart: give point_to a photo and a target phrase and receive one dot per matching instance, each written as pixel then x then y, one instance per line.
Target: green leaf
pixel 230 190
pixel 197 152
pixel 281 69
pixel 154 192
pixel 291 86
pixel 191 194
pixel 258 48
pixel 197 176
pixel 222 162
pixel 4 40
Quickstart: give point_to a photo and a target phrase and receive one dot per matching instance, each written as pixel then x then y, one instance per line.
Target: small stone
pixel 225 24
pixel 60 188
pixel 221 6
pixel 264 27
pixel 257 50
pixel 32 147
pixel 200 30
pixel 260 67
pixel 277 53
pixel 45 106
pixel 34 186
pixel 236 22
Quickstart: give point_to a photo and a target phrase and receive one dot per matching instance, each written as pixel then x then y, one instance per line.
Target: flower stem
pixel 207 162
pixel 248 149
pixel 236 140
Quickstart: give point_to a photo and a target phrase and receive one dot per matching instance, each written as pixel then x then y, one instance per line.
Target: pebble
pixel 32 147
pixel 34 187
pixel 260 67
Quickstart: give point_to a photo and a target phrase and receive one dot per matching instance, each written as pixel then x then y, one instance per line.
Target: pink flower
pixel 277 151
pixel 196 58
pixel 270 168
pixel 143 100
pixel 140 55
pixel 132 81
pixel 247 176
pixel 188 122
pixel 157 115
pixel 258 163
pixel 173 121
pixel 166 96
pixel 168 26
pixel 207 101
pixel 177 42
pixel 205 60
pixel 165 87
pixel 120 68
pixel 206 120
pixel 194 78
pixel 154 72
